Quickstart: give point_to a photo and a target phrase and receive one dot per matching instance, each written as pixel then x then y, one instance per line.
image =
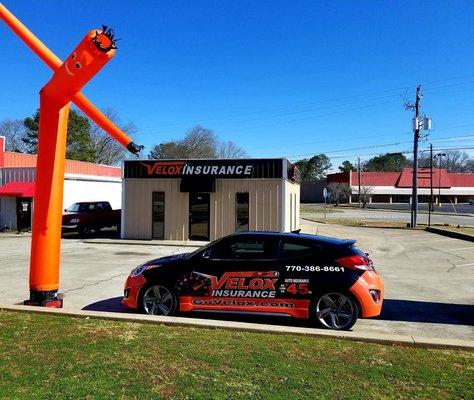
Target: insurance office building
pixel 206 199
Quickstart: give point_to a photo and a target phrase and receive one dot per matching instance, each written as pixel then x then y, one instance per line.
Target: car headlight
pixel 74 220
pixel 139 270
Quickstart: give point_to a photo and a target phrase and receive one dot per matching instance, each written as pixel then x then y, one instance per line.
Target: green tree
pixel 167 150
pixel 314 168
pixel 78 146
pixel 390 162
pixel 346 166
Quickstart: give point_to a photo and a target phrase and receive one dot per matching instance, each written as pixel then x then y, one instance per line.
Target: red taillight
pixel 356 262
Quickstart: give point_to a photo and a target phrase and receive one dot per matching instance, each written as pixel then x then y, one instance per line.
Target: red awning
pixel 18 189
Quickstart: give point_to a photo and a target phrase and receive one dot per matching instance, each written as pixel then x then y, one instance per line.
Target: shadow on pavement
pixel 393 310
pixel 106 233
pixel 114 304
pixel 426 311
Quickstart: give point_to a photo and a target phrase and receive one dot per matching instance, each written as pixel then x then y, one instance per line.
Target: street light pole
pixel 439 155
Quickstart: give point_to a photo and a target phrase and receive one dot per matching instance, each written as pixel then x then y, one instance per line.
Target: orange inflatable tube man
pixel 69 77
pixel 92 53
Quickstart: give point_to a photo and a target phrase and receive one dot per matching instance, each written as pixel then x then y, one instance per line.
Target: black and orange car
pixel 327 280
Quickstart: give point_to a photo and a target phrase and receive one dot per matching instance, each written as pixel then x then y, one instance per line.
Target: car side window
pixel 244 249
pixel 292 249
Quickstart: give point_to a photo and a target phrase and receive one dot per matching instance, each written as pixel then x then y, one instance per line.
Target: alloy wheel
pixel 336 311
pixel 158 300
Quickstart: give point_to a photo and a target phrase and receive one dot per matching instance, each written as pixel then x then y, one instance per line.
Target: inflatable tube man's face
pixel 85 61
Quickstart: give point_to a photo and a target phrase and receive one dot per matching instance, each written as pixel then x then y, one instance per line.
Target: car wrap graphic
pixel 248 291
pixel 297 308
pixel 252 284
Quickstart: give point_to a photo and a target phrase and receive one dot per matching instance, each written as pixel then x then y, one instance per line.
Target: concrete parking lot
pixel 428 278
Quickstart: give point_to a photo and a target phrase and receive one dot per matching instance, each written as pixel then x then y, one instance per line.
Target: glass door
pixel 199 211
pixel 158 215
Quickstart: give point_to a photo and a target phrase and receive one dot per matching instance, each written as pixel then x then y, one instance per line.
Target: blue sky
pixel 279 78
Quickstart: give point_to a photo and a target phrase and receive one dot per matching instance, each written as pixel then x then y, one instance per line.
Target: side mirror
pixel 65 210
pixel 206 254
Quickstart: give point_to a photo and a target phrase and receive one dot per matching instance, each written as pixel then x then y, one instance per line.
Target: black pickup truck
pixel 85 217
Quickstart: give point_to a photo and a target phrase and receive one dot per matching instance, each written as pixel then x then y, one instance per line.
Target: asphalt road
pixel 370 214
pixel 462 208
pixel 428 278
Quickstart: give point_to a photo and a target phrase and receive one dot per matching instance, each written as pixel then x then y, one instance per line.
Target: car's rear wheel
pixel 157 300
pixel 336 311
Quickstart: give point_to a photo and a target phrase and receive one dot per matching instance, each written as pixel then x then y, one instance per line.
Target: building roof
pixel 9 159
pixel 441 178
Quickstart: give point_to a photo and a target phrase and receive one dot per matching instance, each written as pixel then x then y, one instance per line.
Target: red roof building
pixel 396 187
pixel 83 181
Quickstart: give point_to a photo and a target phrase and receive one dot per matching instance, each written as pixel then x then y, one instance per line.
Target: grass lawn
pixel 51 357
pixel 360 222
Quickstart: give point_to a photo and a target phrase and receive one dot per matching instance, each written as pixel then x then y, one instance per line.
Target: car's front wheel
pixel 85 230
pixel 157 300
pixel 336 311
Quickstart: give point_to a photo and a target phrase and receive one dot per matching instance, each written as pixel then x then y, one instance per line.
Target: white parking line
pixel 460 248
pixel 464 265
pixel 429 241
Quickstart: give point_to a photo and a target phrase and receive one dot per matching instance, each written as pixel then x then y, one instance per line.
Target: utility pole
pixel 358 177
pixel 416 137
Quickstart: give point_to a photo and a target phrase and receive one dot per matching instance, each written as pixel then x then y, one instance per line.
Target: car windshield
pixel 78 207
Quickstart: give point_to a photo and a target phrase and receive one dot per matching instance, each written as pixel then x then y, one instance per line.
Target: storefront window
pixel 241 212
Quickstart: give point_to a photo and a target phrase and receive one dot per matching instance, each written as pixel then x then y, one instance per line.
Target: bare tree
pixel 340 191
pixel 365 194
pixel 109 151
pixel 14 131
pixel 199 142
pixel 230 150
pixel 455 161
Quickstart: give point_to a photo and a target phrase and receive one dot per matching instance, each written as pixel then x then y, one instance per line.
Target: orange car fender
pixel 368 280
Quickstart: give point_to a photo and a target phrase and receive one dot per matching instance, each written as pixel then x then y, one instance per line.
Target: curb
pixel 146 242
pixel 456 235
pixel 385 339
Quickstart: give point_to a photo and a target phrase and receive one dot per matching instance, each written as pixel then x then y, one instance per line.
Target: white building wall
pixel 80 189
pixel 291 195
pixel 76 188
pixel 453 191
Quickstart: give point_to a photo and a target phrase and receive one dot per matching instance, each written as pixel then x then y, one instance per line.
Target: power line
pixel 395 98
pixel 375 146
pixel 362 155
pixel 449 148
pixel 359 137
pixel 310 103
